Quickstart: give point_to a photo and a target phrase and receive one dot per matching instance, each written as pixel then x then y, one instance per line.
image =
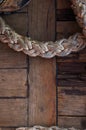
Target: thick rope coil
pixel 49 49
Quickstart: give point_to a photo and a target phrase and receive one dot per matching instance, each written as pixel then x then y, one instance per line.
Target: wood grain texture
pixel 13 79
pixel 11 59
pixel 13 112
pixel 7 128
pixel 18 21
pixel 67 28
pixel 72 101
pixel 42 73
pixel 77 122
pixel 71 70
pixel 8 57
pixel 13 83
pixel 63 4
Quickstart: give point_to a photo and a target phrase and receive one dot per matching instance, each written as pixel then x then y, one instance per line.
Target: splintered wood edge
pixel 45 128
pixel 62 47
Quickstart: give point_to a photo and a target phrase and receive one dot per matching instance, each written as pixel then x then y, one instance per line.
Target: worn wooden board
pixel 13 83
pixel 67 28
pixel 7 128
pixel 18 21
pixel 10 58
pixel 77 122
pixel 72 101
pixel 41 77
pixel 71 73
pixel 13 112
pixel 13 79
pixel 63 4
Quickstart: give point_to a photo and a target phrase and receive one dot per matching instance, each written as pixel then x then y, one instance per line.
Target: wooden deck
pixel 37 91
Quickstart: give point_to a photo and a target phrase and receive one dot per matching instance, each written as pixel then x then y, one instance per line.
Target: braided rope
pixel 45 128
pixel 49 49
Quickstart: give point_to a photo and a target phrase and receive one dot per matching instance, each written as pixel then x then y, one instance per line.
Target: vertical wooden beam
pixel 42 72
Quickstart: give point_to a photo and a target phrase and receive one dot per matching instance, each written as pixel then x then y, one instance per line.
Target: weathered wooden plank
pixel 63 4
pixel 13 112
pixel 67 122
pixel 10 58
pixel 65 15
pixel 17 21
pixel 71 101
pixel 71 78
pixel 42 94
pixel 72 68
pixel 67 28
pixel 13 83
pixel 7 128
pixel 71 74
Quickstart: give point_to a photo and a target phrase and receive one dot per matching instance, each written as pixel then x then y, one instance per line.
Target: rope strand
pixel 48 49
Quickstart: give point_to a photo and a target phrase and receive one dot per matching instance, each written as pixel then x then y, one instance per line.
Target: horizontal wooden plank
pixel 7 128
pixel 62 4
pixel 67 27
pixel 72 101
pixel 71 74
pixel 65 15
pixel 67 122
pixel 13 83
pixel 72 68
pixel 11 59
pixel 13 112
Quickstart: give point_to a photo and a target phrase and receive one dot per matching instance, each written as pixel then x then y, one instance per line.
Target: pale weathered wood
pixel 13 112
pixel 77 122
pixel 13 83
pixel 42 94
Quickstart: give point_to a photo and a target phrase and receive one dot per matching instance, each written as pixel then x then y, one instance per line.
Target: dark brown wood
pixel 67 28
pixel 42 91
pixel 13 79
pixel 71 74
pixel 7 128
pixel 63 4
pixel 71 101
pixel 65 15
pixel 77 122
